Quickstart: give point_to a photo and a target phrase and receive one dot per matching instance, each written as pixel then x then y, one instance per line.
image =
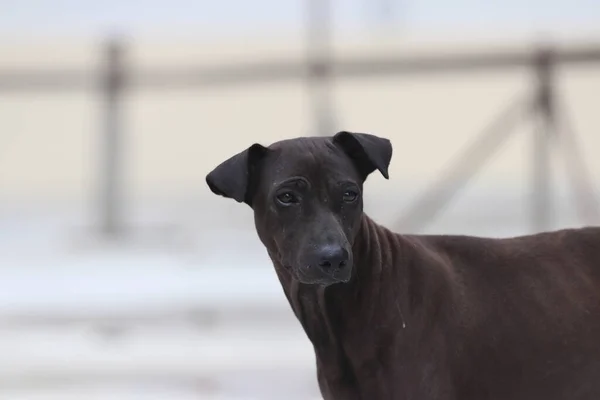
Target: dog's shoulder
pixel 461 247
pixel 557 264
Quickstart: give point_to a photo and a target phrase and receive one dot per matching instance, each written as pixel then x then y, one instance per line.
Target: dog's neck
pixel 327 312
pixel 339 318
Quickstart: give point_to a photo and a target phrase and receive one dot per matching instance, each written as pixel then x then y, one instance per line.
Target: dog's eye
pixel 350 196
pixel 287 198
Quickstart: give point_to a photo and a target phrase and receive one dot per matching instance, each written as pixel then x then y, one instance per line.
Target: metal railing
pixel 318 69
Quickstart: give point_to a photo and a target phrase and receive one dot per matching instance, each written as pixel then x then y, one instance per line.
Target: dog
pixel 419 317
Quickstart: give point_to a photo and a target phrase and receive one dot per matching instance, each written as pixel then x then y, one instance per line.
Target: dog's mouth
pixel 311 276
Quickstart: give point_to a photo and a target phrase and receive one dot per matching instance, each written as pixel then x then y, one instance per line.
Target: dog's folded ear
pixel 369 152
pixel 235 177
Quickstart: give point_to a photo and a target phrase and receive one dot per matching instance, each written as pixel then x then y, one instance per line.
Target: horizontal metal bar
pixel 34 80
pixel 251 73
pixel 285 70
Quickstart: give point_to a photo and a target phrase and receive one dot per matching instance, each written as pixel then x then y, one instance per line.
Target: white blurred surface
pixel 131 326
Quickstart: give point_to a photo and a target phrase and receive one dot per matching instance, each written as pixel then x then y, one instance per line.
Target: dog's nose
pixel 333 257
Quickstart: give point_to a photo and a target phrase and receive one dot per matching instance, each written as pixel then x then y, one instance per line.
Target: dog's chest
pixel 362 352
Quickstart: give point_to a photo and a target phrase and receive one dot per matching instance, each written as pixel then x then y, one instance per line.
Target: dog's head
pixel 306 194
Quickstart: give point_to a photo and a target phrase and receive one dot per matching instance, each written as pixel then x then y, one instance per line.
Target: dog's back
pixel 525 306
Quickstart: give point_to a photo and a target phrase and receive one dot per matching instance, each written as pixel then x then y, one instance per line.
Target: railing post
pixel 319 59
pixel 111 143
pixel 543 136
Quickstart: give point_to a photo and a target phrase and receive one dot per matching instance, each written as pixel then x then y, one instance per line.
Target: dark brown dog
pixel 417 317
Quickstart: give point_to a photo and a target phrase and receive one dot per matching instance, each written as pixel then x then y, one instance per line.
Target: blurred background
pixel 123 277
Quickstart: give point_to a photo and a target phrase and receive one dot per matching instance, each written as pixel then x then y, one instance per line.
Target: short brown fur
pixel 421 317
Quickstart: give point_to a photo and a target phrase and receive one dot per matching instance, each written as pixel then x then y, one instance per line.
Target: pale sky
pixel 239 17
